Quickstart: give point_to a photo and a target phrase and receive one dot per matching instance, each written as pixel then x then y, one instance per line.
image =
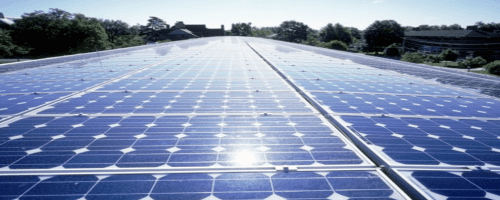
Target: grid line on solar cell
pixel 82 142
pixel 350 184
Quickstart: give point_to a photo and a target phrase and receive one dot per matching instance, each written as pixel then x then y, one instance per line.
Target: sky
pixel 262 13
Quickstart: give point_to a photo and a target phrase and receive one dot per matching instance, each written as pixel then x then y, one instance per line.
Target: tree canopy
pixel 241 29
pixel 381 34
pixel 491 27
pixel 58 32
pixel 292 31
pixel 155 29
pixel 115 28
pixel 335 32
pixel 7 46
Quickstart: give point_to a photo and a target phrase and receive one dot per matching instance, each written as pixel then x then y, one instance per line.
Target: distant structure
pixel 467 42
pixel 182 31
pixel 5 22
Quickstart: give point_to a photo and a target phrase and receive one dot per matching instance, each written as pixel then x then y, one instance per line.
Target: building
pixel 7 21
pixel 190 31
pixel 468 42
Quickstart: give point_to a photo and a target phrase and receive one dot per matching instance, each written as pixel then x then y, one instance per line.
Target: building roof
pixel 182 32
pixel 5 22
pixel 449 33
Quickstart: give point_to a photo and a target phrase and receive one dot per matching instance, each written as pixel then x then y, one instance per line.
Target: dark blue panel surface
pixel 177 141
pixel 431 141
pixel 296 185
pixel 460 185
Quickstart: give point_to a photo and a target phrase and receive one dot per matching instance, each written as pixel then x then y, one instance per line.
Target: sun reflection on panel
pixel 244 158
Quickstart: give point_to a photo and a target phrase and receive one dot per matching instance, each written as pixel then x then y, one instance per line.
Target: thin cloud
pixel 378 1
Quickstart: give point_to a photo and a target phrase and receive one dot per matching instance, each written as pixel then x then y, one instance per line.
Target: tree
pixel 355 33
pixel 335 44
pixel 7 48
pixel 90 35
pixel 337 32
pixel 263 32
pixel 58 32
pixel 383 33
pixel 414 57
pixel 241 29
pixel 472 62
pixel 292 31
pixel 155 30
pixel 392 50
pixel 115 29
pixel 449 55
pixel 453 27
pixel 426 27
pixel 493 67
pixel 491 27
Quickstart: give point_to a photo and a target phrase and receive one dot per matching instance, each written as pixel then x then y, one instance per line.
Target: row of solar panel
pixel 423 138
pixel 299 185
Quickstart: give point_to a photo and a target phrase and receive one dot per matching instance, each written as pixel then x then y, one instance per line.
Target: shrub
pixel 472 62
pixel 493 67
pixel 433 58
pixel 335 44
pixel 392 50
pixel 414 57
pixel 449 55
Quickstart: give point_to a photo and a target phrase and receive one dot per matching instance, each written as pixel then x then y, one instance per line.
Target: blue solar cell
pixel 300 185
pixel 429 142
pixel 459 185
pixel 145 141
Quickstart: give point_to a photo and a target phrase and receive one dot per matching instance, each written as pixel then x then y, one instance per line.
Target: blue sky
pixel 314 13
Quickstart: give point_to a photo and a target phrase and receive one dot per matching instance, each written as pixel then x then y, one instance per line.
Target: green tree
pixel 261 32
pixel 241 29
pixel 451 27
pixel 355 33
pixel 7 47
pixel 472 62
pixel 337 32
pixel 493 67
pixel 292 31
pixel 312 40
pixel 491 27
pixel 335 44
pixel 58 32
pixel 383 33
pixel 449 55
pixel 88 33
pixel 115 29
pixel 414 57
pixel 426 27
pixel 155 30
pixel 392 50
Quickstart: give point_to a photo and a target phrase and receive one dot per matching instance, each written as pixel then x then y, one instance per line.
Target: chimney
pixel 1 15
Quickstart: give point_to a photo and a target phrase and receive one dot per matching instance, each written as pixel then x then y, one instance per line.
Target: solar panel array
pixel 401 121
pixel 200 119
pixel 240 118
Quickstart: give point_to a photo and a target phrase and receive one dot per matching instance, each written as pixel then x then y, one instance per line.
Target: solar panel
pixel 466 184
pixel 401 115
pixel 299 185
pixel 244 118
pixel 135 125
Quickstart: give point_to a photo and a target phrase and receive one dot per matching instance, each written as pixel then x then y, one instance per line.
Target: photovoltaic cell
pixel 299 185
pixel 215 103
pixel 12 104
pixel 181 141
pixel 478 184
